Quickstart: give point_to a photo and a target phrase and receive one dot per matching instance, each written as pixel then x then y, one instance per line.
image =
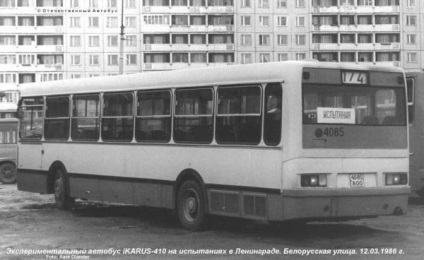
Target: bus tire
pixel 61 191
pixel 191 206
pixel 7 173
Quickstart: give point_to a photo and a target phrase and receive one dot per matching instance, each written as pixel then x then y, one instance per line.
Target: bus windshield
pixel 353 105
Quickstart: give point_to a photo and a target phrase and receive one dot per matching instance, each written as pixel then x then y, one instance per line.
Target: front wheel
pixel 191 206
pixel 7 173
pixel 61 191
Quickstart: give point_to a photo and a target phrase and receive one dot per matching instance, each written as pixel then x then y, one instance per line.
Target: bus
pixel 415 91
pixel 8 149
pixel 284 141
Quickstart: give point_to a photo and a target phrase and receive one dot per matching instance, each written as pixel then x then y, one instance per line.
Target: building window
pixel 131 40
pixel 131 59
pixel 282 39
pixel 365 2
pixel 93 3
pixel 246 40
pixel 8 59
pixel 412 57
pixel 300 21
pixel 180 57
pixel 264 57
pixel 283 56
pixel 346 2
pixel 281 21
pixel 246 58
pixel 347 38
pixel 300 3
pixel 198 58
pixel 7 40
pixel 26 59
pixel 411 20
pixel 129 3
pixel 75 59
pixel 112 3
pixel 93 41
pixel 300 39
pixel 75 41
pixel 245 20
pixel 94 60
pixel 245 3
pixel 264 20
pixel 75 22
pixel 156 19
pixel 264 39
pixel 411 39
pixel 130 22
pixel 263 3
pixel 411 3
pixel 365 56
pixel 364 38
pixel 51 76
pixel 281 3
pixel 112 22
pixel 112 60
pixel 75 76
pixel 300 56
pixel 74 4
pixel 112 41
pixel 7 3
pixel 93 22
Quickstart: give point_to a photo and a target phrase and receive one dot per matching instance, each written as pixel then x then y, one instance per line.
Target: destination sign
pixel 335 115
pixel 354 77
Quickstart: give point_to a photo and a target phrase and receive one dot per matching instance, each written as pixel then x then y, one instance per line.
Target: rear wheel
pixel 191 205
pixel 61 191
pixel 7 173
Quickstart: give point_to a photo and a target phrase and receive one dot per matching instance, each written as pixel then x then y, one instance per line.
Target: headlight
pixel 396 178
pixel 313 180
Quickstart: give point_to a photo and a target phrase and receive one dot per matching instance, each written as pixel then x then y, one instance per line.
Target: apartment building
pixel 43 40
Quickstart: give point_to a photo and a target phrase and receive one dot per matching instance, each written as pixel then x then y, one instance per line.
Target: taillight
pixel 313 180
pixel 396 178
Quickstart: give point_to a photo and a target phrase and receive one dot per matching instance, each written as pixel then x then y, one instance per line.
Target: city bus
pixel 286 141
pixel 415 91
pixel 8 149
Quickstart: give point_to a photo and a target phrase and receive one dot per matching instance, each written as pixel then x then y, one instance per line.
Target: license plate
pixel 357 180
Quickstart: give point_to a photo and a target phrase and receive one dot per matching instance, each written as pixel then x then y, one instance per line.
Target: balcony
pixel 49 67
pixel 387 46
pixel 386 9
pixel 325 9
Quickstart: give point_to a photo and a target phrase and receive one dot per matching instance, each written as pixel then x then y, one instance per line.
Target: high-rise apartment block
pixel 43 40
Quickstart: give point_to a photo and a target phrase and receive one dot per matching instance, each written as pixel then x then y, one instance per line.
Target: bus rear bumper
pixel 344 203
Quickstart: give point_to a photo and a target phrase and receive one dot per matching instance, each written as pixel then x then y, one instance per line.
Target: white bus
pixel 275 141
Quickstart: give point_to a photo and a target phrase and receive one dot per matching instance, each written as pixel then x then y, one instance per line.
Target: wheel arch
pixel 190 174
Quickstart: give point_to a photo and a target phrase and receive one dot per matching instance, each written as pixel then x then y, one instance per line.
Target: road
pixel 32 228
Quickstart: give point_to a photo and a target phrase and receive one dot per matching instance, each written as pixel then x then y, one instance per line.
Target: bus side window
pixel 56 123
pixel 31 125
pixel 117 121
pixel 85 117
pixel 410 88
pixel 153 121
pixel 273 115
pixel 239 116
pixel 193 121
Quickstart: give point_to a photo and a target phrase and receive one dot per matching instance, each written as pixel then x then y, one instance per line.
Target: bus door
pixel 8 150
pixel 31 129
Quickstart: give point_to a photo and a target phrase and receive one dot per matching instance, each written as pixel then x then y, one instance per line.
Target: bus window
pixel 85 117
pixel 411 93
pixel 239 115
pixel 153 121
pixel 272 118
pixel 193 115
pixel 32 118
pixel 369 105
pixel 117 122
pixel 56 124
pixel 8 134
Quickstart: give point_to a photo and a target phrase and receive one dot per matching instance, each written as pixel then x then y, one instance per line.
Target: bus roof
pixel 209 76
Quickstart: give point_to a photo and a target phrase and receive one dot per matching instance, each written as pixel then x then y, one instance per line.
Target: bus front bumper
pixel 330 203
